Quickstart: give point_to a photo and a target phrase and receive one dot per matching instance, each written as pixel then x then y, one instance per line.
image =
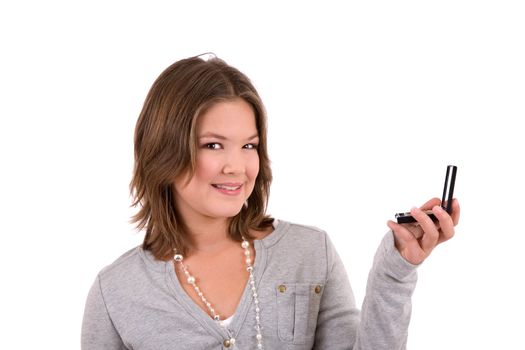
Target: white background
pixel 367 103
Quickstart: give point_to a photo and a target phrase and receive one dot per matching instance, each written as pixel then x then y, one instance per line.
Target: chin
pixel 226 211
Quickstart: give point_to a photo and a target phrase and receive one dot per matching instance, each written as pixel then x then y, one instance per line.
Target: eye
pixel 251 146
pixel 213 145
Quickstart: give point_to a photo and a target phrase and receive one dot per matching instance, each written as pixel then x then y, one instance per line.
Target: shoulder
pixel 302 249
pixel 309 230
pixel 124 262
pixel 297 239
pixel 132 268
pixel 300 233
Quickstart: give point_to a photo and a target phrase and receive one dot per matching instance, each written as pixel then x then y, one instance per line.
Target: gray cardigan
pixel 306 301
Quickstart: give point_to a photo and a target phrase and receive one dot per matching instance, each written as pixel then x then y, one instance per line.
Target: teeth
pixel 228 188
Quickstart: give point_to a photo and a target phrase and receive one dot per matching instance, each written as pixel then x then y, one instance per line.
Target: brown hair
pixel 165 148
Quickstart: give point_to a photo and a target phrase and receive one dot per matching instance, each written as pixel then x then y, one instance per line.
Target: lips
pixel 228 186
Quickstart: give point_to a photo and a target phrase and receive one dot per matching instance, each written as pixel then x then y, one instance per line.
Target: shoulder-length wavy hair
pixel 165 148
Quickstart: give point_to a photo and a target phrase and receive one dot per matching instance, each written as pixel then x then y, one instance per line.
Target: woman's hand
pixel 416 241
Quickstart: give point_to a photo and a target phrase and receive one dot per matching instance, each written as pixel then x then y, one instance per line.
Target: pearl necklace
pixel 192 281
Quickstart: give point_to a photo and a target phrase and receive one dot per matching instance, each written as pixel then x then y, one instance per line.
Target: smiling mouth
pixel 227 187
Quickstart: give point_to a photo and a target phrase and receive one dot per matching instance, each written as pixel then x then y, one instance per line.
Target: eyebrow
pixel 221 137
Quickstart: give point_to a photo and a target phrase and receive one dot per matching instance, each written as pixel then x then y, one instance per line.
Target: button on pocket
pixel 297 309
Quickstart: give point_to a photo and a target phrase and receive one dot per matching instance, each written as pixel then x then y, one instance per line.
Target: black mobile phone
pixel 446 200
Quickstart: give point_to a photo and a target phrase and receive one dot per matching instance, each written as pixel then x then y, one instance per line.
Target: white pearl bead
pixel 192 280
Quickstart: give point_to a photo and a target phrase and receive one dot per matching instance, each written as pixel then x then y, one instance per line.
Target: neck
pixel 209 235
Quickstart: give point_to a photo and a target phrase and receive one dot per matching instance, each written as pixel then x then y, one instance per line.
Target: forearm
pixel 386 310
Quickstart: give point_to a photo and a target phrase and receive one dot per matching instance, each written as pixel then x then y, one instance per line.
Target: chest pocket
pixel 297 309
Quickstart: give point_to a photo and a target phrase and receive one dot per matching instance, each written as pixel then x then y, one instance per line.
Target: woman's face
pixel 227 163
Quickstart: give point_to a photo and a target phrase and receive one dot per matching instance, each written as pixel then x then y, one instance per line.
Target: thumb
pixel 402 236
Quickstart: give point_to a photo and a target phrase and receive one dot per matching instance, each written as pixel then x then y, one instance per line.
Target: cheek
pixel 206 168
pixel 253 168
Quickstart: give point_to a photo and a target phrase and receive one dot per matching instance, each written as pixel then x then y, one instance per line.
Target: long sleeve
pixel 387 306
pixel 98 331
pixel 385 315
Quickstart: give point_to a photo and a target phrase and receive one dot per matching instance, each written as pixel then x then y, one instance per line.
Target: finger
pixel 456 210
pixel 415 229
pixel 407 245
pixel 402 233
pixel 431 234
pixel 430 204
pixel 446 225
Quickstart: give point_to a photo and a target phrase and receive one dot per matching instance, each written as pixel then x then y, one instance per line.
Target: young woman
pixel 214 271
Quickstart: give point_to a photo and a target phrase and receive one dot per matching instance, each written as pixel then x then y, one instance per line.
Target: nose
pixel 234 162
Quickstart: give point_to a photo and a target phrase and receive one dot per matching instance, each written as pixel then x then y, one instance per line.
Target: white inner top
pixel 226 322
